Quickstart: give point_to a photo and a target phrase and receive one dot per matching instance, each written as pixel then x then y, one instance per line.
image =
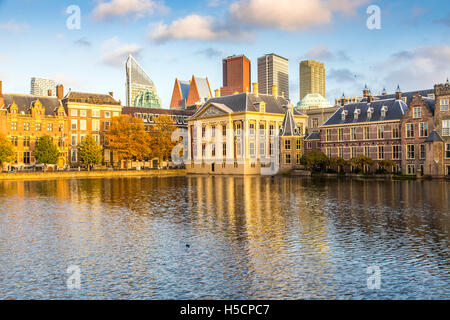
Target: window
pixel 95 125
pixel 410 130
pixel 299 158
pixel 213 150
pixel 353 133
pixel 422 151
pixel 356 114
pixel 252 149
pixel 14 141
pixel 423 132
pixel 270 149
pixel 287 158
pixel 224 131
pixel 203 132
pixel 27 157
pixel 107 124
pixel 61 127
pixel 417 113
pixel 26 126
pixel 299 144
pixel 341 134
pixel 238 129
pixel 366 133
pixel 95 113
pixel 238 149
pixel 396 152
pixel 262 148
pixel 446 127
pixel 224 149
pixel 107 114
pixel 344 115
pixel 410 152
pixel 309 145
pixel 74 140
pixel 49 126
pixel 83 113
pixel 444 104
pixel 73 113
pixel 395 131
pixel 203 150
pixel 213 131
pixel 384 110
pixel 252 129
pixel 328 135
pixel 73 157
pixel 447 151
pixel 411 169
pixel 315 122
pixel 61 142
pixel 369 113
pixel 13 126
pixel 353 150
pixel 115 114
pixel 73 124
pixel 82 124
pixel 328 152
pixel 38 126
pixel 287 144
pixel 380 152
pixel 380 132
pixel 367 151
pixel 262 130
pixel 271 129
pixel 341 153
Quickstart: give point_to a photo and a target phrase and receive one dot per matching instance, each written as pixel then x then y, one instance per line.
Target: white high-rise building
pixel 273 70
pixel 41 87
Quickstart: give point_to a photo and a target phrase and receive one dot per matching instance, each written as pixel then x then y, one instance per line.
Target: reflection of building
pixel 312 78
pixel 239 134
pixel 42 87
pixel 318 110
pixel 236 75
pixel 25 118
pixel 90 114
pixel 273 69
pixel 140 85
pixel 189 93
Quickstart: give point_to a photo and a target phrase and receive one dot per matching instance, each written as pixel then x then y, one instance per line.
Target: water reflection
pixel 250 237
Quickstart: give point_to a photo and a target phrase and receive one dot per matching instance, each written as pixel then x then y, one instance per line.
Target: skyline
pixel 410 49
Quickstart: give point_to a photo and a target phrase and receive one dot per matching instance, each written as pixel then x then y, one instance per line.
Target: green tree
pixel 7 153
pixel 338 162
pixel 361 161
pixel 387 163
pixel 45 151
pixel 89 152
pixel 315 160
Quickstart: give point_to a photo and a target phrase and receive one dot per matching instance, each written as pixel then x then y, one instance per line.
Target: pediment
pixel 213 110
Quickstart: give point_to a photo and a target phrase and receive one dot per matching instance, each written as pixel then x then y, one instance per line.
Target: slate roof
pixel 409 95
pixel 91 98
pixel 434 136
pixel 289 127
pixel 395 111
pixel 25 101
pixel 313 136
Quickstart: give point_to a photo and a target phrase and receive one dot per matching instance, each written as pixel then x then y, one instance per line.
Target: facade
pixel 139 85
pixel 25 118
pixel 90 114
pixel 273 70
pixel 240 134
pixel 188 93
pixel 442 127
pixel 291 142
pixel 312 78
pixel 43 87
pixel 312 142
pixel 236 75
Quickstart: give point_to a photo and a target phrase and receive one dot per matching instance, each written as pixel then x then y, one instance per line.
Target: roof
pixel 204 90
pixel 25 101
pixel 177 112
pixel 184 87
pixel 395 111
pixel 90 98
pixel 289 127
pixel 434 136
pixel 314 100
pixel 409 95
pixel 313 136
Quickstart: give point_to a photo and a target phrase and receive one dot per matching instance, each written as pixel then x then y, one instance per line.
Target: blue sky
pixel 179 38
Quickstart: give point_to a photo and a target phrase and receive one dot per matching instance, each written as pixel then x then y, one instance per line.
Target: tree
pixel 315 160
pixel 128 138
pixel 387 163
pixel 7 153
pixel 45 151
pixel 161 142
pixel 337 162
pixel 361 161
pixel 89 152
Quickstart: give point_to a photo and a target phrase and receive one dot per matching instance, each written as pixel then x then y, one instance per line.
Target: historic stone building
pixel 291 142
pixel 240 134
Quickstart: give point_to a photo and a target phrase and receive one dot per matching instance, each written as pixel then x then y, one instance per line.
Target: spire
pixel 447 83
pixel 398 89
pixel 289 127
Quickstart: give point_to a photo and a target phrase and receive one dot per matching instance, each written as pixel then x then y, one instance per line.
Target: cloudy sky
pixel 174 38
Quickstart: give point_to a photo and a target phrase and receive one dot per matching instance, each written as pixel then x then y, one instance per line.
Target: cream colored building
pixel 312 78
pixel 239 134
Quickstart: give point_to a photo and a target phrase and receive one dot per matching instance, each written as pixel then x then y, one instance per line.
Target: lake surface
pixel 249 238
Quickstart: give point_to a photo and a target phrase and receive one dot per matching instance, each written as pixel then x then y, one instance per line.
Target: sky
pixel 176 39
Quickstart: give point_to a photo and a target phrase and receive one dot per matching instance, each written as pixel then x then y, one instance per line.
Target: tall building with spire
pixel 140 88
pixel 312 78
pixel 273 69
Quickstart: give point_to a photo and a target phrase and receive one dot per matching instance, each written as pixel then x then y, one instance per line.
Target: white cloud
pixel 13 26
pixel 125 8
pixel 290 15
pixel 115 54
pixel 322 52
pixel 195 27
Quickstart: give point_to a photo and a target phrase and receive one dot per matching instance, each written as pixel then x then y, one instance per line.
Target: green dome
pixel 313 100
pixel 147 99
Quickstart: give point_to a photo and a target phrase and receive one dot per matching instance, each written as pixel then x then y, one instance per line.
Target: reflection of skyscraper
pixel 140 89
pixel 273 69
pixel 43 87
pixel 236 75
pixel 312 78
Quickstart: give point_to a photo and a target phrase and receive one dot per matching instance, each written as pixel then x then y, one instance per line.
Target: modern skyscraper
pixel 312 78
pixel 273 69
pixel 236 75
pixel 139 85
pixel 43 87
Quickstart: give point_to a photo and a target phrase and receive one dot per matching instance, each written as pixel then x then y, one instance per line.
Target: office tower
pixel 43 87
pixel 236 75
pixel 140 89
pixel 273 69
pixel 312 78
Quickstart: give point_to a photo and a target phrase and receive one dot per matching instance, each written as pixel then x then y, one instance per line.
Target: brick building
pixel 236 75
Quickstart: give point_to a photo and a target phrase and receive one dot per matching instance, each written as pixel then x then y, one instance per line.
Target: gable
pixel 212 110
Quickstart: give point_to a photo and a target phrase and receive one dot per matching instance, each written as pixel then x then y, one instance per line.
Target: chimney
pixel 256 89
pixel 217 92
pixel 111 94
pixel 365 91
pixel 49 92
pixel 60 91
pixel 370 98
pixel 343 100
pixel 398 93
pixel 275 91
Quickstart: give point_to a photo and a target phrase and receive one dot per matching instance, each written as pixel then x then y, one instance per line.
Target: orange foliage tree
pixel 128 139
pixel 161 143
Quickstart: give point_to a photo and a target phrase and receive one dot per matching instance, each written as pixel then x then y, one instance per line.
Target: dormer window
pixel 357 113
pixel 369 113
pixel 344 115
pixel 384 110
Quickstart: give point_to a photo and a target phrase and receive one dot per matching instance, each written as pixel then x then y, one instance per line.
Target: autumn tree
pixel 386 163
pixel 361 161
pixel 128 139
pixel 315 160
pixel 7 153
pixel 89 152
pixel 161 143
pixel 45 151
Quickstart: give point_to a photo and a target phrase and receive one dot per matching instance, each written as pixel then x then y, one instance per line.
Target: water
pixel 249 237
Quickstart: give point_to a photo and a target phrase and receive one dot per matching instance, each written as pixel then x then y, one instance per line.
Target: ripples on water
pixel 249 237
